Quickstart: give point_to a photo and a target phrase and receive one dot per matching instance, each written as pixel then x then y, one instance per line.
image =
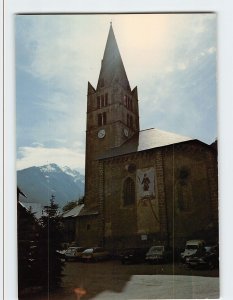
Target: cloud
pixel 61 46
pixel 36 144
pixel 182 66
pixel 58 49
pixel 170 57
pixel 38 156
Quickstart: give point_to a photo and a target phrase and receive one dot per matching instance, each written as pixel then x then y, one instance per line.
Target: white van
pixel 191 248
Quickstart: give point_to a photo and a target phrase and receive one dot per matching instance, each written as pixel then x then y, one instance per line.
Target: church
pixel 142 187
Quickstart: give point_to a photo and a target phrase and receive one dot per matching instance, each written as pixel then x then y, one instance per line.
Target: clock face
pixel 126 132
pixel 101 133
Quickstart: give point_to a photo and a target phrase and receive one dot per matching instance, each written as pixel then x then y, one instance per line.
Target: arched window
pixel 184 190
pixel 184 197
pixel 128 191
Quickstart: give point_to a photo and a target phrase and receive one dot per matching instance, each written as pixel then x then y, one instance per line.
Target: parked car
pixel 204 258
pixel 134 255
pixel 95 254
pixel 191 247
pixel 73 253
pixel 61 253
pixel 158 254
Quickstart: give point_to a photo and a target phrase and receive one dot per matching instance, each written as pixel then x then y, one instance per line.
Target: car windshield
pixel 88 251
pixel 191 247
pixel 79 249
pixel 70 251
pixel 156 249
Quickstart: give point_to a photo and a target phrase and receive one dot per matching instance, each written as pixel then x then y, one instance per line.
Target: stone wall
pixel 88 231
pixel 123 222
pixel 186 202
pixel 191 192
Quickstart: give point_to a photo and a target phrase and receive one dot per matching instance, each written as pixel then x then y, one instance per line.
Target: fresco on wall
pixel 147 204
pixel 146 183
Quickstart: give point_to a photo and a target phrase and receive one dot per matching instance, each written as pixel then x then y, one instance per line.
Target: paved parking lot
pixel 112 280
pixel 115 279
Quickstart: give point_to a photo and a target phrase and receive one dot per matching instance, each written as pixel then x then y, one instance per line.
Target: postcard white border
pixel 224 10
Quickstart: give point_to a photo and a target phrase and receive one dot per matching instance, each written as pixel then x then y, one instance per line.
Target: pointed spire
pixel 90 89
pixel 135 92
pixel 112 68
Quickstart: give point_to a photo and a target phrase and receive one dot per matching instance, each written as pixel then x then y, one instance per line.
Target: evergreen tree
pixel 50 238
pixel 28 230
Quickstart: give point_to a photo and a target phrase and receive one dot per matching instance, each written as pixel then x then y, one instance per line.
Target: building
pixel 69 219
pixel 142 187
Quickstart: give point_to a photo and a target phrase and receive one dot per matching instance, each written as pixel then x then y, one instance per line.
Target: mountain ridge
pixel 39 183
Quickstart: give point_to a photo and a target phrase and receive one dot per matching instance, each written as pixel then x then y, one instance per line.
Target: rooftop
pixel 145 140
pixel 74 212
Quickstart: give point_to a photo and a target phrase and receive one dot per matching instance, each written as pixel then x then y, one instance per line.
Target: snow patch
pixel 49 168
pixel 68 171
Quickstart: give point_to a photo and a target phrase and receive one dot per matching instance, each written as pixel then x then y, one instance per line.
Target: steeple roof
pixel 112 68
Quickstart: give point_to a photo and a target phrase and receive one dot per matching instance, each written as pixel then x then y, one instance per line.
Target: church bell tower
pixel 112 115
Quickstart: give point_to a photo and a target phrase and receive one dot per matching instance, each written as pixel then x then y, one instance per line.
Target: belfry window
pixel 102 100
pixel 98 102
pixel 99 119
pixel 106 100
pixel 129 121
pixel 128 192
pixel 125 100
pixel 102 119
pixel 128 102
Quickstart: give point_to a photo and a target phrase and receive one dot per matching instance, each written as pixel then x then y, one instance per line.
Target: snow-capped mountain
pixel 39 183
pixel 74 173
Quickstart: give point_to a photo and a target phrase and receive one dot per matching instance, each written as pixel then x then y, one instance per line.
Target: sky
pixel 171 58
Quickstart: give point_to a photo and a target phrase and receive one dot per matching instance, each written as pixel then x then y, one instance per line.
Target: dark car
pixel 95 254
pixel 157 254
pixel 207 258
pixel 134 255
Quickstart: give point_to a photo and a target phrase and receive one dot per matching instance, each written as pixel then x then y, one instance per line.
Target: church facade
pixel 141 187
